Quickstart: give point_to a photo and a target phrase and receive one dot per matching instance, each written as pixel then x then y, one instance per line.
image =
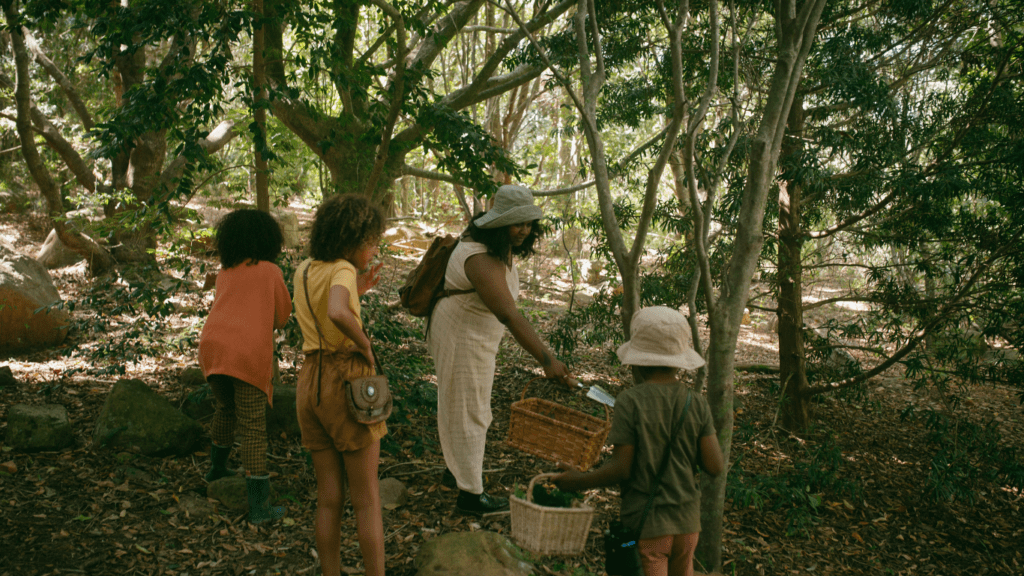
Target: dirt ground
pixel 86 510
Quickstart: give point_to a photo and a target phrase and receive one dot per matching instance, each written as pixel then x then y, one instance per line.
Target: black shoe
pixel 448 479
pixel 219 463
pixel 479 504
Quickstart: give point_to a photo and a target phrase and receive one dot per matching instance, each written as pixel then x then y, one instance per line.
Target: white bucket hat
pixel 659 336
pixel 512 205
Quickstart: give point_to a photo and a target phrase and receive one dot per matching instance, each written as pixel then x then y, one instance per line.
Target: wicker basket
pixel 555 433
pixel 547 530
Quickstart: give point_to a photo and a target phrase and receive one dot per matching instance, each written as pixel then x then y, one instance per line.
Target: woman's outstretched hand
pixel 556 370
pixel 368 279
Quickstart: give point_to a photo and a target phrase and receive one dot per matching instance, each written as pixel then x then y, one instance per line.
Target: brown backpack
pixel 425 284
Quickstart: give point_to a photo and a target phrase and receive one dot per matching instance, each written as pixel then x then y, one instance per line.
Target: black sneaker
pixel 448 479
pixel 479 504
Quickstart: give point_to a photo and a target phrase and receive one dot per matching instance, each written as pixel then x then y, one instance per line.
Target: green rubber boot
pixel 260 509
pixel 219 463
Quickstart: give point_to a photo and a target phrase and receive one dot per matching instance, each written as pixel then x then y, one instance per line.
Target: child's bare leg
pixel 361 466
pixel 330 501
pixel 681 560
pixel 654 555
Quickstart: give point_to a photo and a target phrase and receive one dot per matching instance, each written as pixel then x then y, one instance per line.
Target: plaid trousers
pixel 242 405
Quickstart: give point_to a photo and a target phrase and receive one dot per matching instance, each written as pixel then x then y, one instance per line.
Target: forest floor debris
pixel 849 497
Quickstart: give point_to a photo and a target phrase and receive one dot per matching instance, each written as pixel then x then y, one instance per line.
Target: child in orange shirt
pixel 236 348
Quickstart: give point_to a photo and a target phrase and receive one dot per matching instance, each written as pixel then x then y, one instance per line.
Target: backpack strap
pixel 445 292
pixel 664 464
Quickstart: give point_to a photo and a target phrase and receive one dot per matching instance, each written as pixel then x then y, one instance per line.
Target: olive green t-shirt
pixel 645 416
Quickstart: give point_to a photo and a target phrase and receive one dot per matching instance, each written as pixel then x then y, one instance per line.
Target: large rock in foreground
pixel 136 416
pixel 476 553
pixel 32 428
pixel 29 313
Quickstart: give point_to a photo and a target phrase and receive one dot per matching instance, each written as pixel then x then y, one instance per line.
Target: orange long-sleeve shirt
pixel 238 338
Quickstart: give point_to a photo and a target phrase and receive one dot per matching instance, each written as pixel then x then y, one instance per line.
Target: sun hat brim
pixel 513 204
pixel 516 215
pixel 659 336
pixel 686 360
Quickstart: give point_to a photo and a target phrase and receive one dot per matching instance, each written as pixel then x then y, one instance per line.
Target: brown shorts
pixel 327 423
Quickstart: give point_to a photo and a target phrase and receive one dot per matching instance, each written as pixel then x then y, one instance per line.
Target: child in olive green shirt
pixel 642 430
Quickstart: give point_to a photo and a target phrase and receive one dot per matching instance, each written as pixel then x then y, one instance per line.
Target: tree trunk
pixel 792 361
pixel 796 27
pixel 679 180
pixel 260 112
pixel 99 260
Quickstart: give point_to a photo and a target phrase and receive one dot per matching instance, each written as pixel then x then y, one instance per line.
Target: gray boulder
pixel 393 493
pixel 194 506
pixel 29 305
pixel 136 416
pixel 289 223
pixel 55 254
pixel 477 553
pixel 7 379
pixel 282 417
pixel 191 378
pixel 231 492
pixel 36 428
pixel 839 363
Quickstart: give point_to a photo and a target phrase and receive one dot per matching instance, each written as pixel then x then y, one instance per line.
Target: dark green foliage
pixel 665 280
pixel 466 150
pixel 799 491
pixel 408 372
pixel 595 325
pixel 550 496
pixel 133 312
pixel 966 456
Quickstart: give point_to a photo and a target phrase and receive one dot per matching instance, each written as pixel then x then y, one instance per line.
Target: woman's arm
pixel 487 274
pixel 339 313
pixel 614 471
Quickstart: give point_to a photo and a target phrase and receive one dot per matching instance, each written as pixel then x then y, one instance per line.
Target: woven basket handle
pixel 528 384
pixel 529 489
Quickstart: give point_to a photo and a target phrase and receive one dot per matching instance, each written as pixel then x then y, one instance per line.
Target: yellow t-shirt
pixel 322 276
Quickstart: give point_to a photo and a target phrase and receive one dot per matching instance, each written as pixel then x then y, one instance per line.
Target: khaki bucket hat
pixel 659 336
pixel 512 205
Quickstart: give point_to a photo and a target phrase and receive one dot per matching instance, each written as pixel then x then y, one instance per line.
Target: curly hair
pixel 247 235
pixel 342 225
pixel 499 243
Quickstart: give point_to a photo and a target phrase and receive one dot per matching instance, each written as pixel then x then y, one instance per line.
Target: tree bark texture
pixel 98 259
pixel 340 140
pixel 796 25
pixel 792 360
pixel 259 110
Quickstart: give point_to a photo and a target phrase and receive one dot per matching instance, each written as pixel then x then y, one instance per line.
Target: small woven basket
pixel 548 530
pixel 556 433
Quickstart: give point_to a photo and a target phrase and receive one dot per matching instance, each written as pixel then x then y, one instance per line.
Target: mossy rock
pixel 135 416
